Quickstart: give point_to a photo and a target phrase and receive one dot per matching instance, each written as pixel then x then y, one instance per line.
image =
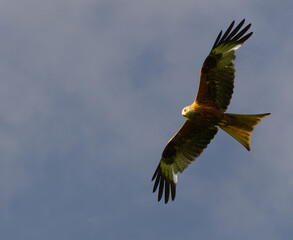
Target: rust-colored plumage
pixel 207 113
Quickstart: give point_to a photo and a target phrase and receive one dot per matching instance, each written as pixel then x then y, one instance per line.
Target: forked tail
pixel 240 126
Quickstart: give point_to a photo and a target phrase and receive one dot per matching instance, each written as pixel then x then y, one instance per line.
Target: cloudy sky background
pixel 90 93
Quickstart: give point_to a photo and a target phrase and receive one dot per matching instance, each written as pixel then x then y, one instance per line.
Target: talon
pixel 223 123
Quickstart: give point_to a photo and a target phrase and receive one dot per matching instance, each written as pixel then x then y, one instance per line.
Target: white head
pixel 186 111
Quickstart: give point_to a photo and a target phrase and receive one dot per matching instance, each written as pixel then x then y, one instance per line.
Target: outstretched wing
pixel 186 145
pixel 218 72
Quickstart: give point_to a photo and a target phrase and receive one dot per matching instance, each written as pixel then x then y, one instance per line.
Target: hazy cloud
pixel 90 93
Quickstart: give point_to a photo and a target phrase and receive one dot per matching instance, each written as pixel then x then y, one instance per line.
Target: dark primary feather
pixel 187 144
pixel 169 185
pixel 230 36
pixel 218 72
pixel 224 36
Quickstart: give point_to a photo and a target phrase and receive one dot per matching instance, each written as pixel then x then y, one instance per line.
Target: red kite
pixel 207 113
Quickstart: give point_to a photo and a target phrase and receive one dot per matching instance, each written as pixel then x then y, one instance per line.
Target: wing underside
pixel 187 144
pixel 218 72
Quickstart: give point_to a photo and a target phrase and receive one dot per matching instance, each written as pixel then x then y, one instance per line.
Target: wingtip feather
pixel 161 187
pixel 167 191
pixel 233 36
pixel 164 185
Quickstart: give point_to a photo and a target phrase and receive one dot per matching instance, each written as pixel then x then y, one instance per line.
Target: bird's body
pixel 207 113
pixel 203 114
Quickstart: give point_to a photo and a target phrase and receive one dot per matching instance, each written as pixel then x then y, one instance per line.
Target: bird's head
pixel 186 111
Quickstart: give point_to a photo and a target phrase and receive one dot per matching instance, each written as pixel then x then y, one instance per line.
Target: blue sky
pixel 90 93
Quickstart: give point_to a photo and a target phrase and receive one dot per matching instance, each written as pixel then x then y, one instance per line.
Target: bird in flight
pixel 207 113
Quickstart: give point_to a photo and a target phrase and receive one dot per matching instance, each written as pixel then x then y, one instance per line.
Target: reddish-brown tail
pixel 240 126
